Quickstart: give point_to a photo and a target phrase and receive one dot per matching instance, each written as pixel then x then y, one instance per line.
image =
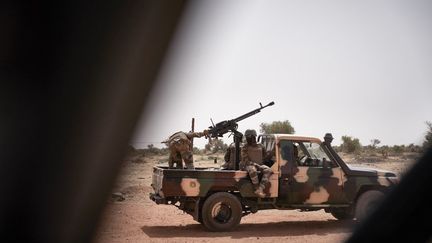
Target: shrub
pixel 384 151
pixel 350 145
pixel 398 149
pixel 216 145
pixel 277 127
pixel 375 142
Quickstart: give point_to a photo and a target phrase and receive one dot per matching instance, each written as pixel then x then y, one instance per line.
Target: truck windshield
pixel 304 153
pixel 316 152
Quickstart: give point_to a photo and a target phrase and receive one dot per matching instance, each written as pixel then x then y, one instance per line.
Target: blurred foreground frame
pixel 75 77
pixel 405 214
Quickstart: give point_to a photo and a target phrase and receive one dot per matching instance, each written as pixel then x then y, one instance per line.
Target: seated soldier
pixel 252 155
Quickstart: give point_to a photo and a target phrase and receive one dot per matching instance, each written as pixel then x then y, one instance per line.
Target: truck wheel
pixel 342 213
pixel 367 203
pixel 221 211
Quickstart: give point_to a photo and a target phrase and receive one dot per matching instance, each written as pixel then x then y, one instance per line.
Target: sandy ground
pixel 138 219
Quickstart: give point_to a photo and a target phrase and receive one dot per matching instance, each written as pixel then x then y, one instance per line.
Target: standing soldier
pixel 180 147
pixel 252 155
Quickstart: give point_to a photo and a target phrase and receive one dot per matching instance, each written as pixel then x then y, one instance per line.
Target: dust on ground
pixel 138 219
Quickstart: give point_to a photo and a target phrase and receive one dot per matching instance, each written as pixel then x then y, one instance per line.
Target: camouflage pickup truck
pixel 317 178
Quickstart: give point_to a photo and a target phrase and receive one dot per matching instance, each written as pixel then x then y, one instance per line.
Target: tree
pixel 152 149
pixel 428 137
pixel 277 127
pixel 414 148
pixel 350 145
pixel 216 145
pixel 375 142
pixel 196 150
pixel 207 147
pixel 384 151
pixel 398 149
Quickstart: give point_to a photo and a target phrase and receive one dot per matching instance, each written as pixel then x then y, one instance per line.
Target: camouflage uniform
pixel 252 155
pixel 229 158
pixel 180 146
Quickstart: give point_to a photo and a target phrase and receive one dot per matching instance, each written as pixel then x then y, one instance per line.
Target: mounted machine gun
pixel 224 127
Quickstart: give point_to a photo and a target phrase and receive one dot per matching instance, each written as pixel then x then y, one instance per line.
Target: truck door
pixel 308 175
pixel 286 164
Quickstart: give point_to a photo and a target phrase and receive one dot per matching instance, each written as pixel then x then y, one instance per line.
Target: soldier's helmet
pixel 250 133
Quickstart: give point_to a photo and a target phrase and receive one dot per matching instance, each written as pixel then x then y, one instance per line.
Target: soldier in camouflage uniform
pixel 229 158
pixel 180 147
pixel 252 155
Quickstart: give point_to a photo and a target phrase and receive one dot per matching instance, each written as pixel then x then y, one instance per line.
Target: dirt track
pixel 138 219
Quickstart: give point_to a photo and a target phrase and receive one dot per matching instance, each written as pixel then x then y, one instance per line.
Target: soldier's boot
pixel 190 166
pixel 188 160
pixel 259 192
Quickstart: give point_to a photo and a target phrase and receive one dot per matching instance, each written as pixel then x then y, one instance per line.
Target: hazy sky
pixel 362 69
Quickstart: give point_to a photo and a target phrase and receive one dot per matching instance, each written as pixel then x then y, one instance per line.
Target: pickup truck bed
pixel 174 183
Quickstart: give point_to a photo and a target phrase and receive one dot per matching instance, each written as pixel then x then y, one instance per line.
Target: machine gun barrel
pixel 242 117
pixel 231 125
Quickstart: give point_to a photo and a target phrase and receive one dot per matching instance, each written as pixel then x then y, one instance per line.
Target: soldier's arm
pixel 245 160
pixel 196 134
pixel 193 135
pixel 244 154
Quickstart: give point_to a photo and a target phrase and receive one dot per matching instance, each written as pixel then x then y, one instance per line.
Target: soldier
pixel 229 158
pixel 270 157
pixel 180 146
pixel 252 155
pixel 296 155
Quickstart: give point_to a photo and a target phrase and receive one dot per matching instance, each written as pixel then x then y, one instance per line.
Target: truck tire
pixel 342 213
pixel 221 211
pixel 367 203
